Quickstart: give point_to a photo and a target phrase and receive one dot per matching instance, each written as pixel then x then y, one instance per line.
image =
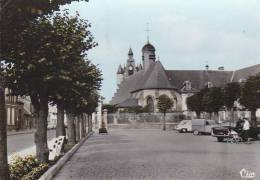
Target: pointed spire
pixel 120 70
pixel 147 31
pixel 130 52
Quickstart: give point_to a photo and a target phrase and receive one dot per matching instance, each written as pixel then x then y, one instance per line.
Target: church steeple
pixel 130 52
pixel 130 65
pixel 148 55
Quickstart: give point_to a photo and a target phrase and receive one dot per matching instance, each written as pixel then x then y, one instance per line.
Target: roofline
pixel 153 88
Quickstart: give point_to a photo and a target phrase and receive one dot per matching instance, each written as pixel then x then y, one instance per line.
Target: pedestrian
pixel 246 127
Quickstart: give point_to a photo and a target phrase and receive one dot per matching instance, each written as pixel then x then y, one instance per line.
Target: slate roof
pixel 198 78
pixel 152 78
pixel 128 103
pixel 120 70
pixel 246 72
pixel 148 47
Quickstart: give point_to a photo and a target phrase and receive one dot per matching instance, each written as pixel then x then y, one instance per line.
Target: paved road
pixel 16 143
pixel 154 155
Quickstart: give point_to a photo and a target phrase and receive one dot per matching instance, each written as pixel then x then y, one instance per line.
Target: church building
pixel 142 84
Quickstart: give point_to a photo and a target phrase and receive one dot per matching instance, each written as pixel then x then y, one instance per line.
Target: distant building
pixel 142 84
pixel 18 112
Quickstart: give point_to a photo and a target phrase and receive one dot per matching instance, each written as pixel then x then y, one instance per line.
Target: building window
pixel 242 80
pixel 150 104
pixel 209 84
pixel 187 85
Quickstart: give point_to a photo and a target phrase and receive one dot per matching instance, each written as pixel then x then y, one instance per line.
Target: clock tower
pixel 130 65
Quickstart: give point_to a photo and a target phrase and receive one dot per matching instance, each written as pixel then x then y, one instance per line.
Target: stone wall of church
pixel 143 95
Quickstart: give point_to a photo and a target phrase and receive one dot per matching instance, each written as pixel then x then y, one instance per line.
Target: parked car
pixel 184 126
pixel 203 126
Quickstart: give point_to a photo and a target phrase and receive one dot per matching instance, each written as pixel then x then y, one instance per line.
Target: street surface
pixel 23 144
pixel 154 154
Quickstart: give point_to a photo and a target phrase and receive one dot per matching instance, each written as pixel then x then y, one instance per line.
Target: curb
pixel 48 175
pixel 23 132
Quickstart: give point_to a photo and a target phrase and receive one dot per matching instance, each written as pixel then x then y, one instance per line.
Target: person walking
pixel 246 127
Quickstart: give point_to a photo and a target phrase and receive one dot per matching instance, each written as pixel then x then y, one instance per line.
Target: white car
pixel 184 126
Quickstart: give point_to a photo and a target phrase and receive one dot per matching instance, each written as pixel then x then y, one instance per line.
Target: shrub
pixel 27 167
pixel 36 172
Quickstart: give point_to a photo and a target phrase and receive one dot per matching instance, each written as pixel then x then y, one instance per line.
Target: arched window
pixel 150 104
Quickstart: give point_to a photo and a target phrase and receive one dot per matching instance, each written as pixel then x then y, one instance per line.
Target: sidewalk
pixel 28 131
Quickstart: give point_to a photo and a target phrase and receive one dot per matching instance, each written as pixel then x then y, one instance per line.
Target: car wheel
pixel 196 132
pixel 220 139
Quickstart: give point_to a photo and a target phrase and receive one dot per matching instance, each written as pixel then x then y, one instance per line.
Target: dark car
pixel 222 132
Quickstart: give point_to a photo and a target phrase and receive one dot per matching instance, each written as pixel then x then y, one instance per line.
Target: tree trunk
pixel 253 117
pixel 164 122
pixel 89 125
pixel 42 150
pixel 71 130
pixel 60 128
pixel 81 126
pixel 4 173
pixel 84 124
pixel 77 129
pixel 232 114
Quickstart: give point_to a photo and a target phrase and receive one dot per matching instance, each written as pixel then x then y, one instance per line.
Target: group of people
pixel 243 126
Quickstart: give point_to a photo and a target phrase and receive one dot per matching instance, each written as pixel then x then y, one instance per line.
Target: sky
pixel 186 34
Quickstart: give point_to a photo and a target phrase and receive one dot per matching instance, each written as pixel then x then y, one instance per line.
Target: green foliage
pixel 232 93
pixel 26 168
pixel 250 94
pixel 213 100
pixel 36 172
pixel 48 60
pixel 16 16
pixel 164 103
pixel 110 108
pixel 194 103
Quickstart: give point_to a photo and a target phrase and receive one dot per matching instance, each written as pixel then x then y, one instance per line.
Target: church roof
pixel 148 47
pixel 152 78
pixel 120 70
pixel 130 52
pixel 245 72
pixel 128 103
pixel 198 78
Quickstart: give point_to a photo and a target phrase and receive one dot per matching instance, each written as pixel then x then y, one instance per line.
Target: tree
pixel 164 104
pixel 3 137
pixel 194 103
pixel 110 108
pixel 250 96
pixel 232 93
pixel 14 17
pixel 40 62
pixel 212 100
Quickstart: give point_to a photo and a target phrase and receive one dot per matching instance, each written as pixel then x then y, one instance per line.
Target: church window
pixel 150 104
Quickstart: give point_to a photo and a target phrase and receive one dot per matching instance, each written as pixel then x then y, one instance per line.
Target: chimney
pixel 221 68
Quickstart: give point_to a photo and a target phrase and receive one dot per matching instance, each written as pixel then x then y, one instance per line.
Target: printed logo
pixel 247 174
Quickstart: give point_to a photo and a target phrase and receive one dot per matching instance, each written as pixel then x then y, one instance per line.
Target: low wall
pixel 143 120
